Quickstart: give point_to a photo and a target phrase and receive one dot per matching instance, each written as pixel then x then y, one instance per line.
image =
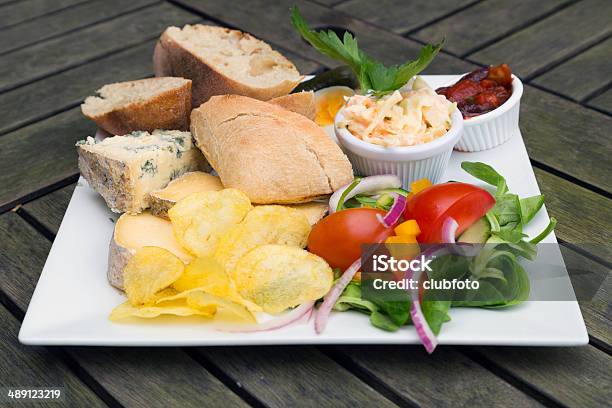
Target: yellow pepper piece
pixel 407 249
pixel 403 239
pixel 419 185
pixel 408 228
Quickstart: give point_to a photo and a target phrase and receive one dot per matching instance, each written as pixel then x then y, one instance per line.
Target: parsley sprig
pixel 373 76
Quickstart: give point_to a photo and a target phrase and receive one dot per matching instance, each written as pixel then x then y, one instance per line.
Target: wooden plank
pixel 567 137
pixel 23 252
pixel 22 367
pixel 134 377
pixel 25 10
pixel 69 88
pixel 49 209
pixel 401 16
pixel 279 374
pixel 41 154
pixel 48 57
pixel 603 102
pixel 584 217
pixel 596 305
pixel 578 376
pixel 546 43
pixel 597 313
pixel 274 25
pixel 436 380
pixel 485 22
pixel 582 75
pixel 73 18
pixel 150 377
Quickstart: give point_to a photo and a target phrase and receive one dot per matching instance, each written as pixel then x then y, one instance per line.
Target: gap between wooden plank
pixel 515 29
pixel 94 57
pixel 42 15
pixel 554 63
pixel 39 193
pixel 85 377
pixel 596 93
pixel 516 382
pixel 373 381
pixel 570 178
pixel 103 20
pixel 600 345
pixel 435 20
pixel 224 378
pixel 586 254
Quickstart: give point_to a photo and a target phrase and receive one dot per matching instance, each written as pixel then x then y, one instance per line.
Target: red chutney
pixel 481 90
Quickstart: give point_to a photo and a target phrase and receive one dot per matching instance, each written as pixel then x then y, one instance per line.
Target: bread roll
pixel 300 102
pixel 223 61
pixel 273 155
pixel 146 104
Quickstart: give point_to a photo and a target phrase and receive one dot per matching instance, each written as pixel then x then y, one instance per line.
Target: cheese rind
pixel 125 169
pixel 193 182
pixel 136 231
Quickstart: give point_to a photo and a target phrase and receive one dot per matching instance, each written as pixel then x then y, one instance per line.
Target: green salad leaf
pixel 510 213
pixel 372 75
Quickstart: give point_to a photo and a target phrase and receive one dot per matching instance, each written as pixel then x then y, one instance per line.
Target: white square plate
pixel 72 300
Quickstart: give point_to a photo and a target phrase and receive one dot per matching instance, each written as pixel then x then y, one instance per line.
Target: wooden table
pixel 53 53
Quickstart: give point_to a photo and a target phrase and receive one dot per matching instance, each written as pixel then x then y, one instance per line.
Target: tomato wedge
pixel 338 237
pixel 464 202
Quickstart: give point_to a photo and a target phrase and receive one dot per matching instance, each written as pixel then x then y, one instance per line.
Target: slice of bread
pixel 221 61
pixel 146 104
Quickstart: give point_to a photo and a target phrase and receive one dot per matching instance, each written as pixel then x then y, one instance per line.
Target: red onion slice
pixel 427 337
pixel 332 296
pixel 395 212
pixel 299 313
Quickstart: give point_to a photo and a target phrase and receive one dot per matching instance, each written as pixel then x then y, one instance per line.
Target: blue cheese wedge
pixel 125 169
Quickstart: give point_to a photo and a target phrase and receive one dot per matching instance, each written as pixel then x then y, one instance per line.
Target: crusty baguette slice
pixel 133 232
pixel 193 182
pixel 146 104
pixel 222 61
pixel 271 154
pixel 299 102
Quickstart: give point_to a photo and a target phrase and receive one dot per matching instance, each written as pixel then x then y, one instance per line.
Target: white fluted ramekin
pixel 493 128
pixel 409 163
